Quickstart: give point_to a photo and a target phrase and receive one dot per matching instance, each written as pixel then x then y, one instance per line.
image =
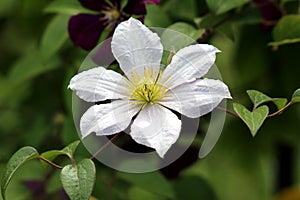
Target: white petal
pixel 136 47
pixel 196 98
pixel 99 84
pixel 107 119
pixel 156 127
pixel 188 64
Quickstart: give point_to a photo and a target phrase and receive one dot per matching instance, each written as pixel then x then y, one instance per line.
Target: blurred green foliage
pixel 259 52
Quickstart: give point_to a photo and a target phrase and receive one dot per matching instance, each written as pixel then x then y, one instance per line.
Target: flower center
pixel 147 90
pixel 111 12
pixel 147 93
pixel 112 15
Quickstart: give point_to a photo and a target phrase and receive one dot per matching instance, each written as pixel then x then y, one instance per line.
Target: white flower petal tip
pixel 189 64
pixel 134 22
pixel 156 127
pixel 136 47
pixel 203 96
pixel 98 84
pixel 107 119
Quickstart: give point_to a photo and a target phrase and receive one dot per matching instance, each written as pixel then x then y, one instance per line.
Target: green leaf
pixel 210 20
pixel 156 17
pixel 153 182
pixel 69 7
pixel 222 6
pixel 71 148
pixel 31 66
pixel 68 151
pixel 179 35
pixel 287 30
pixel 55 35
pixel 259 98
pixel 280 102
pixel 254 119
pixel 296 96
pixel 19 158
pixel 78 181
pixel 188 9
pixel 187 30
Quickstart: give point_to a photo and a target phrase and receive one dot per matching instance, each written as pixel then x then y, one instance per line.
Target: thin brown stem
pixel 50 163
pixel 73 161
pixel 105 145
pixel 281 110
pixel 228 111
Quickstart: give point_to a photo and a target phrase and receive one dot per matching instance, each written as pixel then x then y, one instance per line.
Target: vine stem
pixel 281 110
pixel 105 145
pixel 228 111
pixel 50 163
pixel 270 115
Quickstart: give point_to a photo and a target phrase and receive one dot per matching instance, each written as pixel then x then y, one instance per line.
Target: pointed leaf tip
pixel 259 98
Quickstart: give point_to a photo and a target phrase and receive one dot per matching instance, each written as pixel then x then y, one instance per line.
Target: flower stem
pixel 281 110
pixel 50 163
pixel 227 111
pixel 105 145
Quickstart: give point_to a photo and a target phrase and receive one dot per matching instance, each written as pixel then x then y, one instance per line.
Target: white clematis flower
pixel 147 91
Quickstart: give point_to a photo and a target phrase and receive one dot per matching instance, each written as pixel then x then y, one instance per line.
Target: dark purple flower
pixel 270 12
pixel 86 29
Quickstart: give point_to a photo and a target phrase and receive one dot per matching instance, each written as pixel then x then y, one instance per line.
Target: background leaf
pixel 287 30
pixel 55 35
pixel 78 181
pixel 31 66
pixel 187 11
pixel 69 7
pixel 187 29
pixel 222 6
pixel 177 36
pixel 156 17
pixel 19 158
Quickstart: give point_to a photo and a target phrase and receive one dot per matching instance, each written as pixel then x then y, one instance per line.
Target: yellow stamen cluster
pixel 111 13
pixel 147 89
